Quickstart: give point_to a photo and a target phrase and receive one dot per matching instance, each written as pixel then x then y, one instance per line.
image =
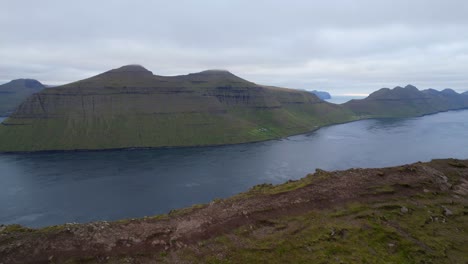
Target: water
pixel 53 188
pixel 340 99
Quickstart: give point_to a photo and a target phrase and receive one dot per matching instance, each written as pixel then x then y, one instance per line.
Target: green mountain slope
pixel 406 102
pixel 15 92
pixel 130 107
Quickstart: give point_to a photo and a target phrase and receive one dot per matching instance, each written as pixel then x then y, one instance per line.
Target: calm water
pixel 54 188
pixel 339 99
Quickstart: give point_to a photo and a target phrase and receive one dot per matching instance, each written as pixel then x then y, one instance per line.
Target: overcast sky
pixel 345 47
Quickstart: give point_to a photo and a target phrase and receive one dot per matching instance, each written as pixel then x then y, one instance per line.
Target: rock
pixel 404 210
pixel 446 211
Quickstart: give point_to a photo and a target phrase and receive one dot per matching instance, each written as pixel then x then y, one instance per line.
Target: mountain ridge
pixel 406 101
pixel 15 92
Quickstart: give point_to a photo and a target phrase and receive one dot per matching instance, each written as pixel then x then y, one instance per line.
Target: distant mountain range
pixel 15 92
pixel 130 107
pixel 407 101
pixel 321 94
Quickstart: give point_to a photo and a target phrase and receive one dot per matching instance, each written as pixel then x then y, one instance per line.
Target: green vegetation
pixel 357 233
pixel 130 107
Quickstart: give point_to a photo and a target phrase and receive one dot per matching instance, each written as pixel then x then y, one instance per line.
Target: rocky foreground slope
pixel 131 107
pixel 414 213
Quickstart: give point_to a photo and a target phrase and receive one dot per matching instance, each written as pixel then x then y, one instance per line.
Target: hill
pixel 407 101
pixel 407 214
pixel 131 107
pixel 321 94
pixel 15 92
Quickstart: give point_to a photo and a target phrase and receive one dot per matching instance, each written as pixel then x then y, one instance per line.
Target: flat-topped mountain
pixel 15 92
pixel 407 101
pixel 131 107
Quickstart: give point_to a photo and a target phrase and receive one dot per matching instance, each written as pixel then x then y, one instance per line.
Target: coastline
pixel 219 145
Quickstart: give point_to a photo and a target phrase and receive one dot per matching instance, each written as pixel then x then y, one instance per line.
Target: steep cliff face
pixel 131 107
pixel 407 101
pixel 15 92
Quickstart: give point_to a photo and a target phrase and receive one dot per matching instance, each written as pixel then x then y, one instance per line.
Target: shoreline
pixel 217 145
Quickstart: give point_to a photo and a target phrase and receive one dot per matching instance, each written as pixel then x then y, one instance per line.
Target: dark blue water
pixel 54 188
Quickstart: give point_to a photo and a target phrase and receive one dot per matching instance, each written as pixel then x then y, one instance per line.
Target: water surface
pixel 340 99
pixel 53 188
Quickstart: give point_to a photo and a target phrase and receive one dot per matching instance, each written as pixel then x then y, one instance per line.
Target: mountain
pixel 413 213
pixel 131 107
pixel 406 102
pixel 321 94
pixel 465 93
pixel 15 92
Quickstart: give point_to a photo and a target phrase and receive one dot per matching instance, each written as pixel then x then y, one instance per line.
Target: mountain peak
pixel 216 71
pixel 24 83
pixel 448 91
pixel 412 87
pixel 131 68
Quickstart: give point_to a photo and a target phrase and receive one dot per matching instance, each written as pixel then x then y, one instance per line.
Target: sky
pixel 340 46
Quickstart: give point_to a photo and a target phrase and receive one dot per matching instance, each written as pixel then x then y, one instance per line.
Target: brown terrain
pixel 407 214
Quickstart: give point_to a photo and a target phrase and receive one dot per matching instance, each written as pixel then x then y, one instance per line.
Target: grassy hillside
pixel 131 107
pixel 15 92
pixel 407 214
pixel 406 102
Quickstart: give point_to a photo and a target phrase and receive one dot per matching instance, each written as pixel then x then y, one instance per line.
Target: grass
pixel 343 235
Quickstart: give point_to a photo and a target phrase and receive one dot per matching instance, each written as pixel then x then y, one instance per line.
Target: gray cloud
pixel 340 46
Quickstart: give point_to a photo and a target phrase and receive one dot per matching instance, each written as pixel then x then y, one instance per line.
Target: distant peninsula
pixel 321 94
pixel 130 107
pixel 13 93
